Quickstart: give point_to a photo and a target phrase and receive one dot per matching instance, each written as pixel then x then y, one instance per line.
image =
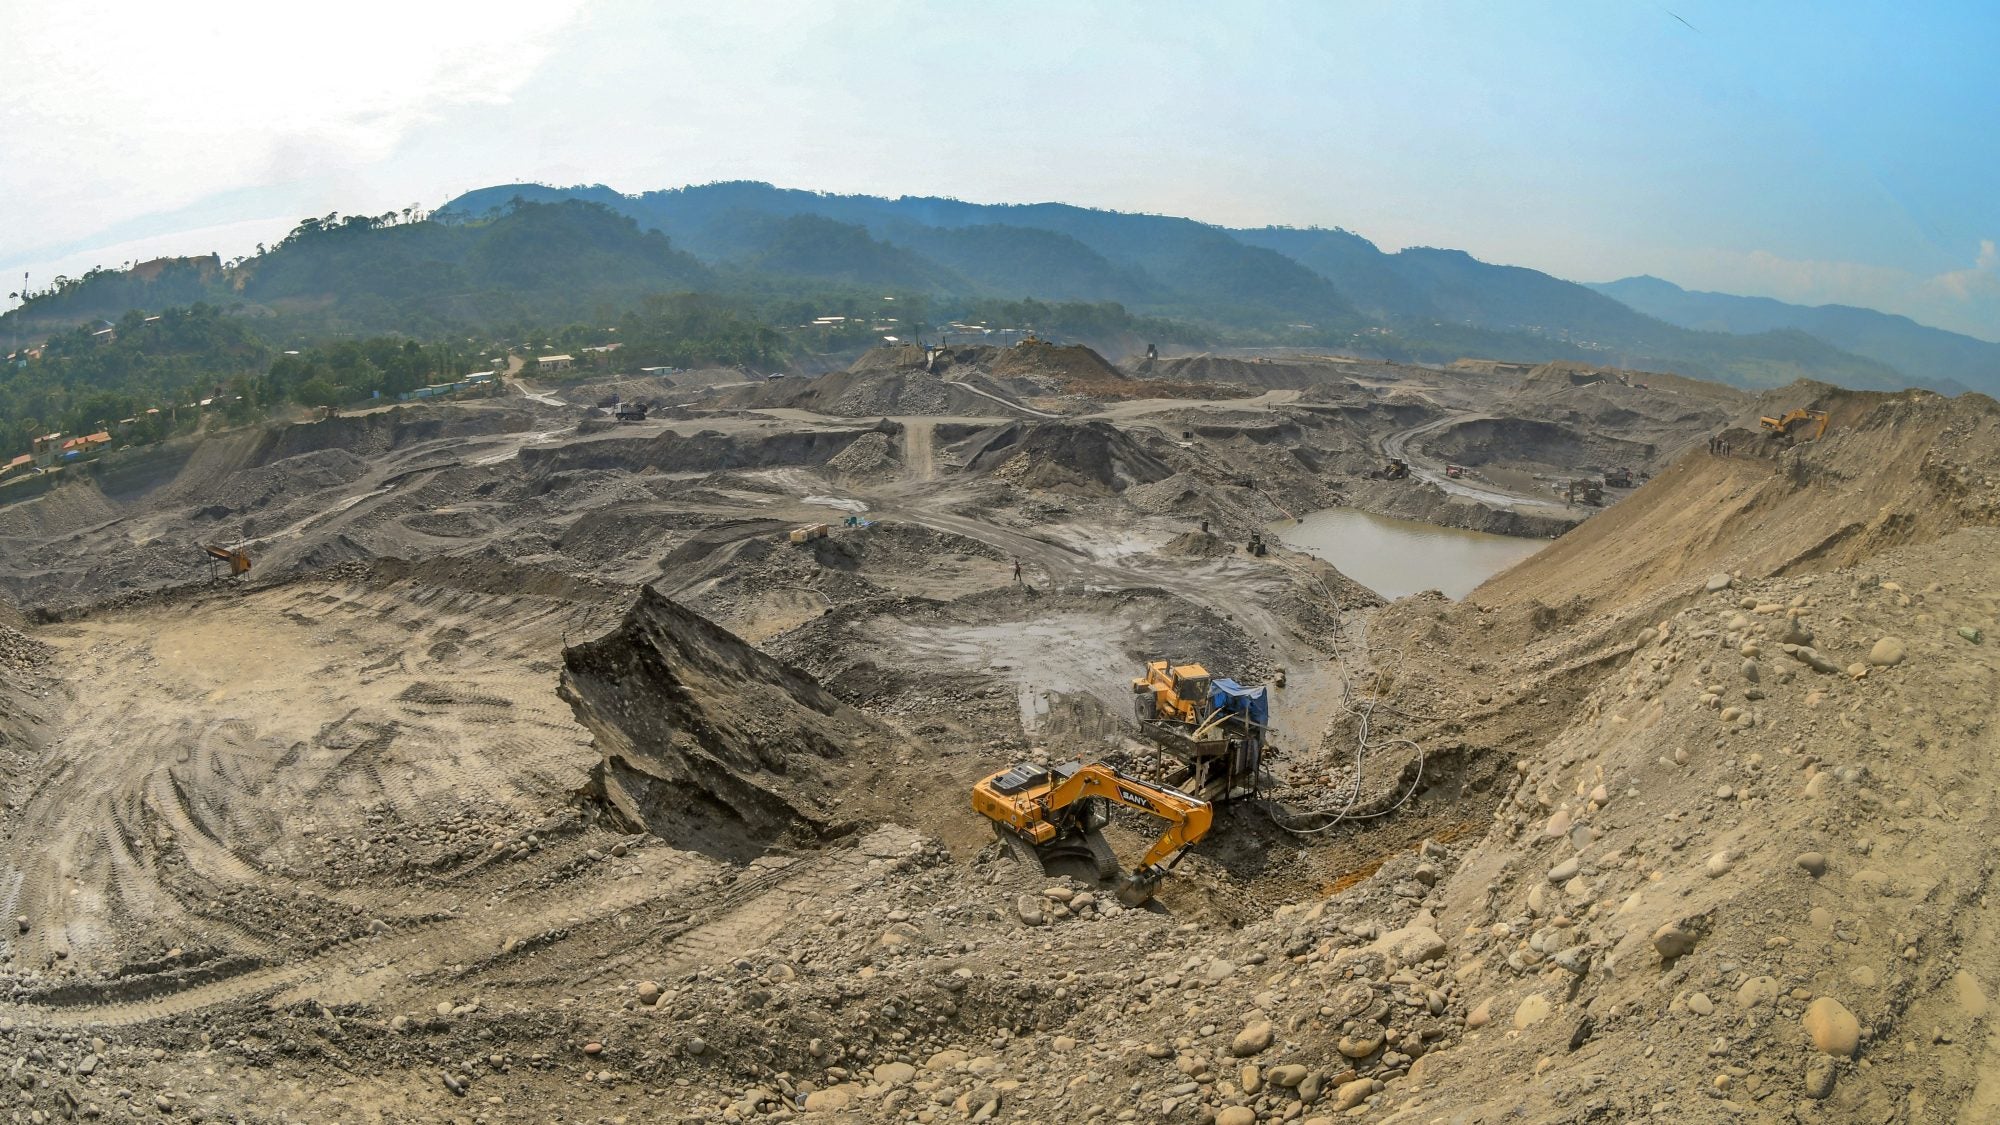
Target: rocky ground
pixel 535 774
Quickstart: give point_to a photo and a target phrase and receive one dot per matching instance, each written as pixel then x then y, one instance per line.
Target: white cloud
pixel 1983 277
pixel 117 110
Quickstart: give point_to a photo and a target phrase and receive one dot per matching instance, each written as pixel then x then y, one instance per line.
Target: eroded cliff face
pixel 710 743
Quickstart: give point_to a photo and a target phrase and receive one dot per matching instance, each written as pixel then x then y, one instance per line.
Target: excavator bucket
pixel 1137 888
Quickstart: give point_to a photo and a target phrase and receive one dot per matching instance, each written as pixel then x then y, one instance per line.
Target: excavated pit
pixel 374 856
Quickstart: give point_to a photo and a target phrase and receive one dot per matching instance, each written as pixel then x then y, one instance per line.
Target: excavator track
pixel 1087 857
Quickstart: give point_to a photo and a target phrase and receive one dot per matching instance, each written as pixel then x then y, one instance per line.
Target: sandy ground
pixel 436 816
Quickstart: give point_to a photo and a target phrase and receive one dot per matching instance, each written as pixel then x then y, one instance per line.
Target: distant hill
pixel 537 262
pixel 105 295
pixel 1014 259
pixel 1048 251
pixel 516 257
pixel 1317 286
pixel 1360 270
pixel 1932 355
pixel 822 249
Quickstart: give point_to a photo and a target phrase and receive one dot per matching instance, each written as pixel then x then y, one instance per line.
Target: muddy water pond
pixel 1397 557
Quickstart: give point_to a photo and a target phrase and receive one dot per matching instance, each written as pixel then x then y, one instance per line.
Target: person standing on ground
pixel 1017 569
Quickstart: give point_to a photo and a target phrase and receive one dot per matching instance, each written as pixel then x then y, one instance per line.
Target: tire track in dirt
pixel 366 969
pixel 756 907
pixel 230 741
pixel 401 966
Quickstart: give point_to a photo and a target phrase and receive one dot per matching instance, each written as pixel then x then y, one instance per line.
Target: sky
pixel 1813 152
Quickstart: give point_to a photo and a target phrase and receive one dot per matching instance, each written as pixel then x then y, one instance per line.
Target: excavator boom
pixel 1188 818
pixel 236 557
pixel 1784 424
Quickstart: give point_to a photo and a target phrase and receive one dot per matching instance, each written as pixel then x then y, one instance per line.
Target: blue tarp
pixel 1252 702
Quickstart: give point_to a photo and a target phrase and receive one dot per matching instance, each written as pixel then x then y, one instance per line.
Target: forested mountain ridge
pixel 1917 349
pixel 513 259
pixel 1296 284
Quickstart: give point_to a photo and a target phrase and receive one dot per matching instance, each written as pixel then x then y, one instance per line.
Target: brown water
pixel 1397 557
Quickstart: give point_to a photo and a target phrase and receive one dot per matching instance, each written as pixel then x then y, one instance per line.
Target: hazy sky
pixel 1814 152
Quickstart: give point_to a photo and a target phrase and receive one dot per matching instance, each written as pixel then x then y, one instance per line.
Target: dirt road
pixel 1397 446
pixel 528 390
pixel 919 459
pixel 1008 403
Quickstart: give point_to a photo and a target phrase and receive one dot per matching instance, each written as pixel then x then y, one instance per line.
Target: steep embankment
pixel 1264 374
pixel 1082 458
pixel 712 744
pixel 1742 875
pixel 1892 469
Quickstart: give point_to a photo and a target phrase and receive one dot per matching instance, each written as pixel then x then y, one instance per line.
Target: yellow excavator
pixel 1792 425
pixel 237 558
pixel 1056 813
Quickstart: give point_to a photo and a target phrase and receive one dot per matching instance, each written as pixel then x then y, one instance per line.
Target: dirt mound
pixel 1667 412
pixel 287 479
pixel 196 473
pixel 330 553
pixel 1745 852
pixel 1072 363
pixel 20 652
pixel 1569 374
pixel 712 744
pixel 703 451
pixel 1088 458
pixel 1179 494
pixel 872 391
pixel 909 357
pixel 69 507
pixel 870 453
pixel 1264 374
pixel 1893 469
pixel 1197 545
pixel 1562 375
pixel 1075 379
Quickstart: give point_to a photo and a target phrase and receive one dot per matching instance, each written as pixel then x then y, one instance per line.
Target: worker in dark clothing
pixel 1017 568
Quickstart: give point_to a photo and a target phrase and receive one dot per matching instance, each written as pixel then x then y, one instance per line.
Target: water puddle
pixel 1396 557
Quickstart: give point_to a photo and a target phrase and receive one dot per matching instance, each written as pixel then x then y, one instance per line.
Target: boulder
pixel 1832 1028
